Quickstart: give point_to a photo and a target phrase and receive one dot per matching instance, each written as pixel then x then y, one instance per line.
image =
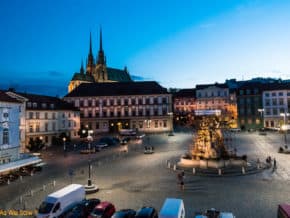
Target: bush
pixel 281 150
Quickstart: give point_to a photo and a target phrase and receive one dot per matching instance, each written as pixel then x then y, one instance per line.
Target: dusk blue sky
pixel 177 43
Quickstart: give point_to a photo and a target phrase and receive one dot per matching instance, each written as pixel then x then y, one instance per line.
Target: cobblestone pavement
pixel 132 180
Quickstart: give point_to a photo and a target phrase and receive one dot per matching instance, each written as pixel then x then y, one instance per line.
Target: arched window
pixel 5 136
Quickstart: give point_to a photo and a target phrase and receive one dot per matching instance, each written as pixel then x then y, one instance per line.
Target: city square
pixel 132 180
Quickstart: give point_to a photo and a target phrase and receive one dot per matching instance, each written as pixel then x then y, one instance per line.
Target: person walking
pixel 274 164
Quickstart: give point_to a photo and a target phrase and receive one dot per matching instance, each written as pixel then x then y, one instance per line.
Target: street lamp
pixel 261 111
pixel 90 139
pixel 64 147
pixel 171 124
pixel 284 127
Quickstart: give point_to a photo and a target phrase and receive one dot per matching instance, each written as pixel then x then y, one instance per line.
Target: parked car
pixel 235 130
pixel 125 213
pixel 147 212
pixel 104 209
pixel 125 140
pixel 262 131
pixel 148 150
pixel 140 136
pixel 109 141
pixel 83 209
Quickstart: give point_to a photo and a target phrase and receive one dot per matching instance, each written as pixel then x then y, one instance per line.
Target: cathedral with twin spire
pixel 97 71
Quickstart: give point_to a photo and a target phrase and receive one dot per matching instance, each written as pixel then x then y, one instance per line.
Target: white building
pixel 9 128
pixel 109 107
pixel 46 117
pixel 276 104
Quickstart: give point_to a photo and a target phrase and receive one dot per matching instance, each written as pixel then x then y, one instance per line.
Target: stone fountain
pixel 208 149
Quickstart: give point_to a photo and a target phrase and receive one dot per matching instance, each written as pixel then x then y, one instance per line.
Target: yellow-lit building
pixel 97 71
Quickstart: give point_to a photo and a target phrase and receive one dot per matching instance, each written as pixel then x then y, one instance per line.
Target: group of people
pixel 180 177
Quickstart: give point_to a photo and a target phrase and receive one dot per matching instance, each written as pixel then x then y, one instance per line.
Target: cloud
pixel 140 78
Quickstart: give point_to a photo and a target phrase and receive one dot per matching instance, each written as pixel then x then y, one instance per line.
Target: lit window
pixel 5 136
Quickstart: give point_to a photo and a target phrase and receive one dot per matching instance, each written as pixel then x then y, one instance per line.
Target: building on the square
pixel 97 71
pixel 217 97
pixel 184 106
pixel 276 105
pixel 46 118
pixel 9 128
pixel 109 107
pixel 249 100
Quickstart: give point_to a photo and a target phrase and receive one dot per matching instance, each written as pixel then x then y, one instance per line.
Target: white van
pixel 55 203
pixel 226 215
pixel 172 208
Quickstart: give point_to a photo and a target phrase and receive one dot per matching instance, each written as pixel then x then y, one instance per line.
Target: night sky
pixel 176 43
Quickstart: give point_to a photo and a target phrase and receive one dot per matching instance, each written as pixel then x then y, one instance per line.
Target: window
pixel 43 105
pixel 34 105
pixel 126 101
pixel 30 115
pixel 140 124
pixel 45 115
pixel 53 126
pixel 97 125
pixel 164 100
pixel 241 92
pixel 281 101
pixel 46 127
pixel 164 123
pixel 147 101
pixel 28 104
pixel 140 101
pixel 267 102
pixel 37 129
pixel 5 114
pixel 280 93
pixel 63 115
pixel 156 123
pixel 267 94
pixel 5 136
pixel 51 106
pixel 111 101
pixel 256 91
pixel 53 115
pixel 63 124
pixel 37 115
pixel 248 91
pixel 273 93
pixel 46 139
pixel 90 103
pixel 118 101
pixel 274 101
pixel 275 112
pixel 30 128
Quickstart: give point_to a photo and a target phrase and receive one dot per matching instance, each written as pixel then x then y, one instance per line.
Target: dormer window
pixel 43 105
pixel 34 105
pixel 28 104
pixel 51 106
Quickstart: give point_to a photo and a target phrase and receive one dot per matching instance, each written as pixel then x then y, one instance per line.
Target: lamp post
pixel 148 125
pixel 171 124
pixel 284 127
pixel 90 139
pixel 64 147
pixel 261 111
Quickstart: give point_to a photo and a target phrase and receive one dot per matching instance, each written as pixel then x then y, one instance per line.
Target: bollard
pixel 31 173
pixel 174 167
pixel 20 200
pixel 8 181
pixel 43 187
pixel 220 172
pixel 243 170
pixel 193 171
pixel 31 192
pixel 168 165
pixel 20 177
pixel 54 183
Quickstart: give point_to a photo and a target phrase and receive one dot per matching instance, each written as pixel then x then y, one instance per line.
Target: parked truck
pixel 55 203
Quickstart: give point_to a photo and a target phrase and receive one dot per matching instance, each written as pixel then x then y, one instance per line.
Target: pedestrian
pixel 182 174
pixel 182 185
pixel 274 164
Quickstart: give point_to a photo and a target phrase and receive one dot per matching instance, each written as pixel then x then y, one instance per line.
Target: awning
pixel 19 163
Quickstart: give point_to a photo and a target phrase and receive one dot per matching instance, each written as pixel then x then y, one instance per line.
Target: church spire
pixel 101 55
pixel 101 41
pixel 91 62
pixel 82 68
pixel 91 50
